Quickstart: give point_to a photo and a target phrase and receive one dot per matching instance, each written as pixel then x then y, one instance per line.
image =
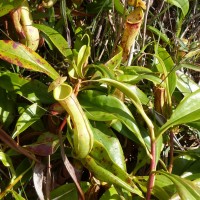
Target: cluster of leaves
pixel 144 113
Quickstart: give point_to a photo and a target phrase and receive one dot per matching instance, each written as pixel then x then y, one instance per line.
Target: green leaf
pixel 101 107
pixel 107 176
pixel 7 162
pixel 56 38
pixel 119 7
pixel 112 194
pixel 130 94
pixel 161 35
pixel 22 56
pixel 187 111
pixel 139 93
pixel 17 196
pixel 5 159
pixel 192 54
pixel 163 188
pixel 133 79
pixel 169 66
pixel 82 59
pixel 106 139
pixel 68 191
pixel 185 188
pixel 7 6
pixel 182 4
pixel 115 61
pixel 28 117
pixel 189 66
pixel 32 90
pixel 105 71
pixel 7 109
pixel 185 84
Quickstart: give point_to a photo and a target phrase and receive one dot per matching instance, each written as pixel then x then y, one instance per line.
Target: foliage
pixel 103 104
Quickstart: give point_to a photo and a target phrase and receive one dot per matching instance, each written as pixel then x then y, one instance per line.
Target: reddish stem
pixel 152 168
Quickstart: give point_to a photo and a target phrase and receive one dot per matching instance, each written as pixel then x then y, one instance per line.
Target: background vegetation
pixel 83 116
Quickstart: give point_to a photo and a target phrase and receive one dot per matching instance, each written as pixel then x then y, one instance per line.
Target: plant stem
pixel 171 152
pixel 152 168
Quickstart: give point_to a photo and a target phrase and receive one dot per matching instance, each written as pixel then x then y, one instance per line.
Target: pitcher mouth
pixel 62 92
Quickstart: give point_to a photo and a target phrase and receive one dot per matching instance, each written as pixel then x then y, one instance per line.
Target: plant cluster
pixel 99 99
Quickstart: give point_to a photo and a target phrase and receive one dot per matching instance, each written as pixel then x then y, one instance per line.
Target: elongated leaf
pixel 192 53
pixel 111 144
pixel 32 90
pixel 163 188
pixel 189 66
pixel 56 38
pixel 115 61
pixel 17 196
pixel 22 56
pixel 102 107
pixel 7 109
pixel 185 84
pixel 112 194
pixel 185 188
pixel 6 6
pixel 129 93
pixel 28 117
pixel 119 7
pixel 103 156
pixel 182 4
pixel 68 191
pixel 105 175
pixel 169 65
pixel 82 59
pixel 4 159
pixel 187 111
pixel 141 95
pixel 128 78
pixel 159 34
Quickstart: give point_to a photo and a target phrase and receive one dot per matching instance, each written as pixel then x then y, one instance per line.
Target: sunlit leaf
pixel 17 196
pixel 105 175
pixel 68 191
pixel 57 83
pixel 161 35
pixel 7 6
pixel 32 90
pixel 101 107
pixel 107 140
pixel 187 111
pixel 7 109
pixel 22 56
pixel 189 66
pixel 169 67
pixel 56 38
pixel 115 61
pixel 192 53
pixel 130 94
pixel 119 7
pixel 185 188
pixel 163 188
pixel 112 194
pixel 182 4
pixel 28 117
pixel 185 84
pixel 82 59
